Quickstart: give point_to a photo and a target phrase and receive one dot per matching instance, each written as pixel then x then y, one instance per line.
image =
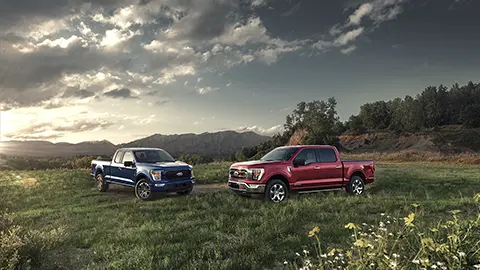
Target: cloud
pixel 72 92
pixel 343 34
pixel 260 130
pixel 348 50
pixel 362 11
pixel 349 36
pixel 62 46
pixel 120 93
pixel 205 90
pixel 56 128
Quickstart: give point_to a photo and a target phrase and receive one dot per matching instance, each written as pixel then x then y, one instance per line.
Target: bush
pixel 406 243
pixel 22 248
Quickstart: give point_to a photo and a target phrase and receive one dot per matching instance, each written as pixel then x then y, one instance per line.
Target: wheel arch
pixel 357 173
pixel 141 176
pixel 280 177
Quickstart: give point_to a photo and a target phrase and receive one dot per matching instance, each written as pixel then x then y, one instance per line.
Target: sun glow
pixel 5 126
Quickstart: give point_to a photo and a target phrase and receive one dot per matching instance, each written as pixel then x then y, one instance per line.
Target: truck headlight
pixel 191 174
pixel 156 174
pixel 257 174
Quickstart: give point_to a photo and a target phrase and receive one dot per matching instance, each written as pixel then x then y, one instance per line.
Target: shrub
pixel 406 243
pixel 21 248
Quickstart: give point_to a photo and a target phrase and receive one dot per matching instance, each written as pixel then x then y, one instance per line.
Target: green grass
pixel 216 230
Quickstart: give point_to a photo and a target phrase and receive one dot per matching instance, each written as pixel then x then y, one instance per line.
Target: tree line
pixel 433 108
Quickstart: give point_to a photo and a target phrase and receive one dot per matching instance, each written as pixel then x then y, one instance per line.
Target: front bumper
pixel 242 187
pixel 172 186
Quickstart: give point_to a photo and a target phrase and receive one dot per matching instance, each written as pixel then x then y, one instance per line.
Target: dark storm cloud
pixel 72 92
pixel 120 93
pixel 209 19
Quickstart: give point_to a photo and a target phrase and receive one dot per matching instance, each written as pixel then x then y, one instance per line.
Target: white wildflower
pixel 323 255
pixel 461 254
pixel 416 261
pixel 382 214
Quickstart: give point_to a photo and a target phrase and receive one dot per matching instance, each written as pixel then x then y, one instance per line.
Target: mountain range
pixel 216 144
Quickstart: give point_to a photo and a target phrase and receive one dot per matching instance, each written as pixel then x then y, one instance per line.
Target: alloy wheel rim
pixel 357 187
pixel 277 193
pixel 143 190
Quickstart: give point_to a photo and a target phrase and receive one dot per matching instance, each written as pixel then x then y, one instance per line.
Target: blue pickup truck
pixel 147 170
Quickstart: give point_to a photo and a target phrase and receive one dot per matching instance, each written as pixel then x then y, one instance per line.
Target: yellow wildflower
pixel 314 231
pixel 408 220
pixel 350 226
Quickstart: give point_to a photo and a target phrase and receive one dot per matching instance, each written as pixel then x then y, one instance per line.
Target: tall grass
pixel 211 230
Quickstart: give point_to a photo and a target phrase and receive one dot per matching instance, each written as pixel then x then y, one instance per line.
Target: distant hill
pixel 215 144
pixel 209 144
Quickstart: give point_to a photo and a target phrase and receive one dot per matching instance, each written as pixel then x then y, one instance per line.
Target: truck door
pixel 114 172
pixel 330 168
pixel 306 176
pixel 128 174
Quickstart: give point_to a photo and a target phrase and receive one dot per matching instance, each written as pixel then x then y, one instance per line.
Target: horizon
pixel 126 142
pixel 127 70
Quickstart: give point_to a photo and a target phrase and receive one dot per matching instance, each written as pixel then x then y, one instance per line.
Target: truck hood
pixel 165 165
pixel 256 163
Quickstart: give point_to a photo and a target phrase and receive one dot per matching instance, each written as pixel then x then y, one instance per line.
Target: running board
pixel 319 190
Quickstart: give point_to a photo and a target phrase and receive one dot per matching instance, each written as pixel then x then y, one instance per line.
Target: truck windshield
pixel 279 154
pixel 152 156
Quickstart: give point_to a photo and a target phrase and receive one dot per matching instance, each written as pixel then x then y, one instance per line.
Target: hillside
pixel 210 144
pixel 446 140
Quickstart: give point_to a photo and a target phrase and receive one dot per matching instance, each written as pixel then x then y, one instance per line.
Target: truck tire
pixel 101 184
pixel 356 185
pixel 143 191
pixel 276 191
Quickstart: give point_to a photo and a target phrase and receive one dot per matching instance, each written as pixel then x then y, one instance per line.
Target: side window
pixel 308 155
pixel 128 157
pixel 118 157
pixel 327 155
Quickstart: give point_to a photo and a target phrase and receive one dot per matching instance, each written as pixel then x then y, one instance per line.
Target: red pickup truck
pixel 300 168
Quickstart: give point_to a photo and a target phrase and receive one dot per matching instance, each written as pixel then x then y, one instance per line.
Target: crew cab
pixel 147 170
pixel 300 168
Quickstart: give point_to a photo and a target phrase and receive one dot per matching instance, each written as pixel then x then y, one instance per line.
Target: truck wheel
pixel 101 184
pixel 276 191
pixel 143 191
pixel 356 186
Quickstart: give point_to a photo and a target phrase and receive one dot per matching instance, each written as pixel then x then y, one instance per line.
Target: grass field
pixel 217 229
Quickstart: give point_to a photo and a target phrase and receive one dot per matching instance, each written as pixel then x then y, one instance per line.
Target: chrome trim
pixel 249 188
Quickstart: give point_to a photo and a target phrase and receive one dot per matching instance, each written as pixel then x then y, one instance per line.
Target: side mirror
pixel 128 163
pixel 298 162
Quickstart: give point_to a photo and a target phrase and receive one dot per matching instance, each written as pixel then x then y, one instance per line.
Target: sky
pixel 119 70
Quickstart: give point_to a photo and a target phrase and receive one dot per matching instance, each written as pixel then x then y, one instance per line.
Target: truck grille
pixel 238 174
pixel 180 174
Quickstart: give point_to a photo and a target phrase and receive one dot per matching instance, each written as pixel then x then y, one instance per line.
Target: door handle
pixel 316 168
pixel 119 168
pixel 338 167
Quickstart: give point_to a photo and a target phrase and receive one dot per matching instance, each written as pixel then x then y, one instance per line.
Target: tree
pixel 320 120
